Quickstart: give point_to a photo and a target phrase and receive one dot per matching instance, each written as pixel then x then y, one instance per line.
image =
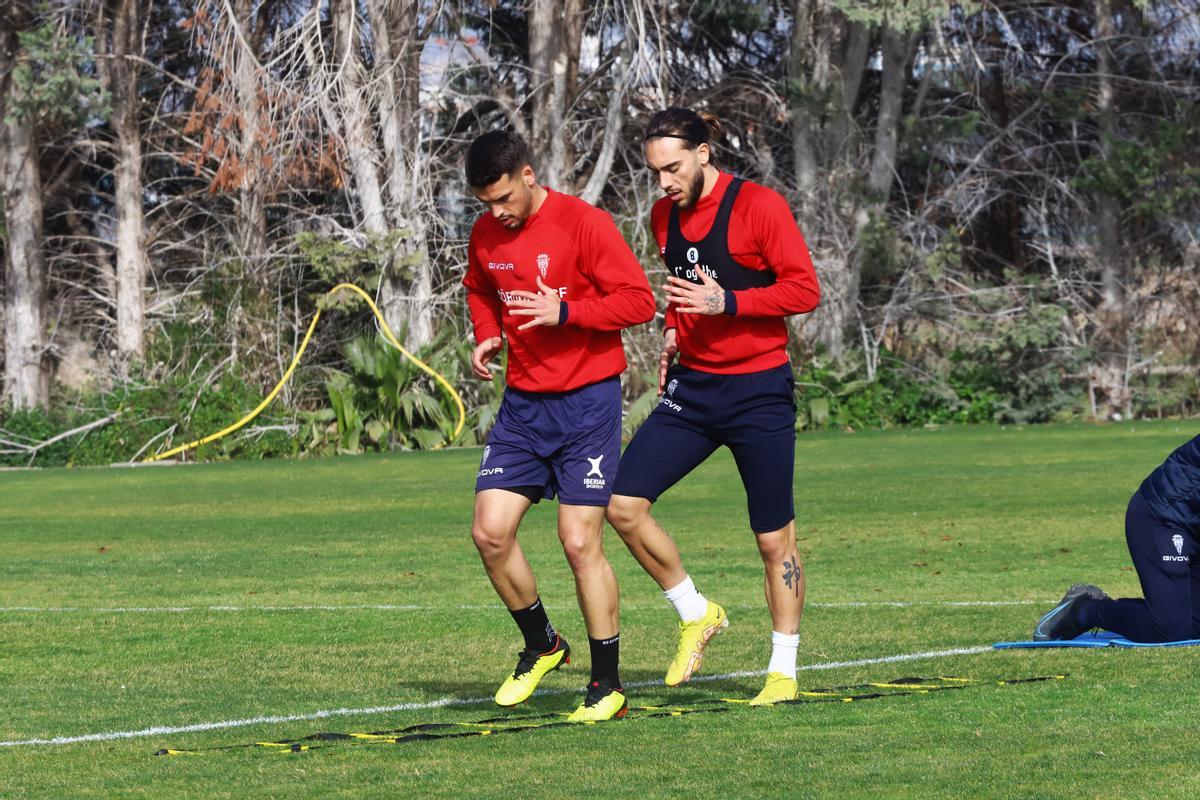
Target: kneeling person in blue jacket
pixel 1162 525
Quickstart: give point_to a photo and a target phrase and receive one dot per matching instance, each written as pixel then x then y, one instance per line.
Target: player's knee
pixel 776 546
pixel 624 513
pixel 490 540
pixel 581 548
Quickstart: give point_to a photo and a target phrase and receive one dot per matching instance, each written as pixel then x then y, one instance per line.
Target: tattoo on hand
pixel 715 300
pixel 792 575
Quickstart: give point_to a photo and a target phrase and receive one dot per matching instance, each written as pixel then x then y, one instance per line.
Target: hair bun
pixel 712 123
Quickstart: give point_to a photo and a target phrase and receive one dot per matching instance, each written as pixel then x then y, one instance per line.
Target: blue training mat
pixel 1094 639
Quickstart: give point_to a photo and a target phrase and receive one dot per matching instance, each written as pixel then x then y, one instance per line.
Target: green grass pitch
pixel 136 598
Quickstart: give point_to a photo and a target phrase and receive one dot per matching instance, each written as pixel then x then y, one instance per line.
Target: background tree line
pixel 1001 199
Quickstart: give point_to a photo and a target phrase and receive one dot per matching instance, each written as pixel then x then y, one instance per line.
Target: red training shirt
pixel 762 235
pixel 578 250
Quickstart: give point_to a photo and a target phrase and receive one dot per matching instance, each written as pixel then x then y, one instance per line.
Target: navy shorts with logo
pixel 754 415
pixel 1162 553
pixel 564 444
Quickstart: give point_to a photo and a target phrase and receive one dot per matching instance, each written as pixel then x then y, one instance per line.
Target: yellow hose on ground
pixel 391 337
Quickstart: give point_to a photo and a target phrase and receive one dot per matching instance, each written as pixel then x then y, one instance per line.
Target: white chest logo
pixel 543 262
pixel 693 255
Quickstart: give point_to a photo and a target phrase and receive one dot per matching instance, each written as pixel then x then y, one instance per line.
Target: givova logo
pixel 1176 540
pixel 485 471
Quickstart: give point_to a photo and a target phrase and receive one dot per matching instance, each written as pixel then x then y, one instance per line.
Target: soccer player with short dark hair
pixel 738 265
pixel 1162 523
pixel 552 275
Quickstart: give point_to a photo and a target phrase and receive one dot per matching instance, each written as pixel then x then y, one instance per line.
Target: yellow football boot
pixel 693 636
pixel 531 668
pixel 779 688
pixel 602 702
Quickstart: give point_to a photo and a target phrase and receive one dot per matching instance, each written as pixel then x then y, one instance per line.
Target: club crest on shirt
pixel 543 262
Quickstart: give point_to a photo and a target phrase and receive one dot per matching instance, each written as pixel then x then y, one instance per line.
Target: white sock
pixel 690 604
pixel 783 653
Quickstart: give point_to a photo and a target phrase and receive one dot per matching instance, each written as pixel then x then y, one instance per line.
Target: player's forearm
pixel 782 299
pixel 485 315
pixel 623 308
pixel 670 318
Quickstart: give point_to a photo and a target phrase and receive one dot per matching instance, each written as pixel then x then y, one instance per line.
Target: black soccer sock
pixel 535 626
pixel 606 654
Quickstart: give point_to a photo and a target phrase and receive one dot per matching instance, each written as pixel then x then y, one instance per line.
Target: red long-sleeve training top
pixel 577 250
pixel 763 235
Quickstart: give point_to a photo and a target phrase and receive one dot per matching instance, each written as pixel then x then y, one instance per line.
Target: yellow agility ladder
pixel 391 337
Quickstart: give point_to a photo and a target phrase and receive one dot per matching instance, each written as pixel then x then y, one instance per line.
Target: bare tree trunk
pixel 827 60
pixel 117 30
pixel 613 115
pixel 252 204
pixel 897 49
pixel 555 32
pixel 851 67
pixel 1110 371
pixel 397 70
pixel 26 374
pixel 809 74
pixel 406 293
pixel 359 133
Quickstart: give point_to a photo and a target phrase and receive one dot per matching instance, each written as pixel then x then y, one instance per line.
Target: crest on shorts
pixel 1177 540
pixel 671 387
pixel 595 464
pixel 487 451
pixel 543 262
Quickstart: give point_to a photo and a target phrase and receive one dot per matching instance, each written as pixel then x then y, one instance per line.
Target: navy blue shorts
pixel 564 444
pixel 1162 554
pixel 754 415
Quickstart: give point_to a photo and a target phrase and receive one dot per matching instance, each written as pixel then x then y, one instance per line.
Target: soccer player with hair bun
pixel 737 267
pixel 551 275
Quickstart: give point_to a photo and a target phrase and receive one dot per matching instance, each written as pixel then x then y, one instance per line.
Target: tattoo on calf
pixel 792 574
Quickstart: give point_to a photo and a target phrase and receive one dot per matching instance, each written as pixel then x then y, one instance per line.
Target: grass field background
pixel 168 596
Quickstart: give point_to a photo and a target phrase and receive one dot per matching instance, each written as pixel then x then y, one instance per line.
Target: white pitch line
pixel 494 607
pixel 163 730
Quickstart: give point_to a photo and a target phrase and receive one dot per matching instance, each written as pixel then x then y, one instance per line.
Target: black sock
pixel 535 627
pixel 606 654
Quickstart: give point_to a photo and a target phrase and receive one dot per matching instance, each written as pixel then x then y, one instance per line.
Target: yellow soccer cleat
pixel 693 636
pixel 778 689
pixel 531 668
pixel 602 702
